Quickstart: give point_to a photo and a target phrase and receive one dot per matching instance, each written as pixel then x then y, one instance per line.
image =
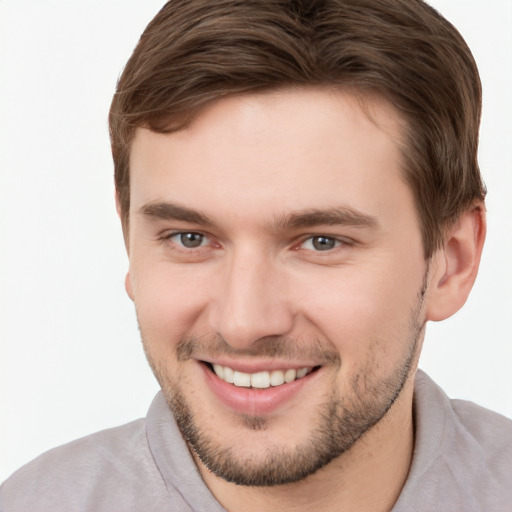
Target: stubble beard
pixel 342 420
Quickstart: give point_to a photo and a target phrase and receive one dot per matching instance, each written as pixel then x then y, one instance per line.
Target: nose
pixel 251 301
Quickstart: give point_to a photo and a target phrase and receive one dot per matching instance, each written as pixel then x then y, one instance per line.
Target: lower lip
pixel 252 401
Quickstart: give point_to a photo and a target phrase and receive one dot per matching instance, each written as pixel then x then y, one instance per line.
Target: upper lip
pixel 261 365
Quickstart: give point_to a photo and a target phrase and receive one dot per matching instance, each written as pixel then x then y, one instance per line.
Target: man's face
pixel 273 243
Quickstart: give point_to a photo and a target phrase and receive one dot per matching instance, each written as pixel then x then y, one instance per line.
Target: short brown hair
pixel 197 51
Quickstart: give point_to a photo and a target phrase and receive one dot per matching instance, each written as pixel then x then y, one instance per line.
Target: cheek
pixel 167 301
pixel 362 311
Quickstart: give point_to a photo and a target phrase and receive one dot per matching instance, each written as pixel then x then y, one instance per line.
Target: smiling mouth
pixel 260 380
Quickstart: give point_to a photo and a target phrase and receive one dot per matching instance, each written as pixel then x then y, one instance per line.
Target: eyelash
pixel 168 238
pixel 316 238
pixel 205 238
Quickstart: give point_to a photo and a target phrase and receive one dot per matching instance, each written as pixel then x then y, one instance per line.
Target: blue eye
pixel 320 243
pixel 190 240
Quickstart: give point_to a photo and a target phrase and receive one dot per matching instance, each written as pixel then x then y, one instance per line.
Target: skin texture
pixel 256 178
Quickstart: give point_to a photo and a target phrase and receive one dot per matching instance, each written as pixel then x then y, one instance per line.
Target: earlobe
pixel 128 285
pixel 456 265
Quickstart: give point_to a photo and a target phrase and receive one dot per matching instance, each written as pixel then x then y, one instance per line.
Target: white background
pixel 70 357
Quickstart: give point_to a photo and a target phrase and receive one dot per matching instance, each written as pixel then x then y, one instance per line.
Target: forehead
pixel 289 149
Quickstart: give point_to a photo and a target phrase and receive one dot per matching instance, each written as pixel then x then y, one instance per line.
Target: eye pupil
pixel 191 240
pixel 323 243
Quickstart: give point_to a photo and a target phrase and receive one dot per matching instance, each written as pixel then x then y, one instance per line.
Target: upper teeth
pixel 260 380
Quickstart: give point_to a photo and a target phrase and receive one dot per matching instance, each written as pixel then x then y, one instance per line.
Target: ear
pixel 455 266
pixel 128 285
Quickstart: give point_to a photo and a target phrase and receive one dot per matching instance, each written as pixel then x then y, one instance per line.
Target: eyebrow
pixel 296 220
pixel 170 211
pixel 328 217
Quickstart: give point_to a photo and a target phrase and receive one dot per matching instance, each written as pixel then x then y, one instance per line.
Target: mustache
pixel 192 347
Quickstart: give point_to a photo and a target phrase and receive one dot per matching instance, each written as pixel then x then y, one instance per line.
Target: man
pixel 299 193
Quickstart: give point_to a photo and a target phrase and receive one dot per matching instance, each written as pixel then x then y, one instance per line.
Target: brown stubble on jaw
pixel 364 379
pixel 286 348
pixel 343 418
pixel 342 421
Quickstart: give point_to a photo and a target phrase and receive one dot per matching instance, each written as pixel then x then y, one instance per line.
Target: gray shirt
pixel 462 462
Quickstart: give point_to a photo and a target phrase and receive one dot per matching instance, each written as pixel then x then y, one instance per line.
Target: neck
pixel 369 476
